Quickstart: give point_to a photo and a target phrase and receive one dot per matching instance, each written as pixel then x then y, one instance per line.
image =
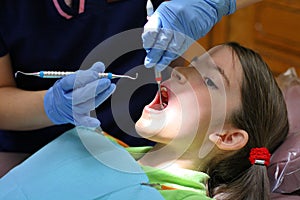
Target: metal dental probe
pixel 59 74
pixel 158 81
pixel 158 78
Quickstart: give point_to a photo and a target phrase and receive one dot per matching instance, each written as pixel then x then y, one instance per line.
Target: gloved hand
pixel 71 98
pixel 176 24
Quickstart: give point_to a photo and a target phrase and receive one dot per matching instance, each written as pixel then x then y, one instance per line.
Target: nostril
pixel 178 76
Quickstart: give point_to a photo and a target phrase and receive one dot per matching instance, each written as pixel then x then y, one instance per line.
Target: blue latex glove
pixel 176 24
pixel 71 98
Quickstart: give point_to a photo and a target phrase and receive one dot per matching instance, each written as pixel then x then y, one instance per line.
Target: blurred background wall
pixel 270 27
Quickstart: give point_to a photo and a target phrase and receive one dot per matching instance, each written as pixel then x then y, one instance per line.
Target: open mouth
pixel 160 103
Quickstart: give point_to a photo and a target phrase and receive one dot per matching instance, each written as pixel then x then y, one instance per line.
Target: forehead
pixel 224 57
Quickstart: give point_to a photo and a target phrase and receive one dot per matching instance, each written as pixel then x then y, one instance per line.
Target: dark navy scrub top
pixel 41 36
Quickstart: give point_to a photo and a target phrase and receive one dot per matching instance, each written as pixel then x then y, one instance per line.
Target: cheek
pixel 234 100
pixel 192 120
pixel 218 109
pixel 212 108
pixel 191 109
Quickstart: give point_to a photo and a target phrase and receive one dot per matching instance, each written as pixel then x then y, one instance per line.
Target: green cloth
pixel 189 184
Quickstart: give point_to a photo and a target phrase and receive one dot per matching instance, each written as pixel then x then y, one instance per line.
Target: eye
pixel 210 83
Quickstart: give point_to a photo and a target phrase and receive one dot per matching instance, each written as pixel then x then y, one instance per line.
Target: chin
pixel 150 123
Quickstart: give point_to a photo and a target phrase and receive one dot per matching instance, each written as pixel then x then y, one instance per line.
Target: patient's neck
pixel 165 156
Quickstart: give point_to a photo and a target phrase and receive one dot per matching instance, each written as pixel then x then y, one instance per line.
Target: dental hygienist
pixel 57 35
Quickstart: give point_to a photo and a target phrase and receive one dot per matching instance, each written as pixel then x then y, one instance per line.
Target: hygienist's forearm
pixel 244 3
pixel 22 110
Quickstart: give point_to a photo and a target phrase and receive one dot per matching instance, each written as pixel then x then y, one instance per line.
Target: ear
pixel 233 139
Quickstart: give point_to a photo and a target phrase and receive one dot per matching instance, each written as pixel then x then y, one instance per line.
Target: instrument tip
pixel 16 74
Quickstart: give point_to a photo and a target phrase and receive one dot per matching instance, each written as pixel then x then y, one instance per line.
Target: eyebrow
pixel 219 69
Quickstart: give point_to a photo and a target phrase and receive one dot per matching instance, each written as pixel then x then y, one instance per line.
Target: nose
pixel 178 75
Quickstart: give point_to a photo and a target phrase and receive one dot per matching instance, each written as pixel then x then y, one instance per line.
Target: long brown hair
pixel 263 115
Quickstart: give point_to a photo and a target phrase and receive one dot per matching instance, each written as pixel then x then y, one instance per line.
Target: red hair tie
pixel 260 156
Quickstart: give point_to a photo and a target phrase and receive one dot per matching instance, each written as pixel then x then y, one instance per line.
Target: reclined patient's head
pixel 226 101
pixel 195 98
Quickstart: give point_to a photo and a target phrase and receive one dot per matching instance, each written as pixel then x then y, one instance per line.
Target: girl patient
pixel 215 129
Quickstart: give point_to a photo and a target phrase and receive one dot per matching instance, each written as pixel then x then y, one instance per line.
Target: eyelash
pixel 209 83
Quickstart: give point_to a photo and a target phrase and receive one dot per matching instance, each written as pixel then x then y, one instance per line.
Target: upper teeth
pixel 163 88
pixel 164 92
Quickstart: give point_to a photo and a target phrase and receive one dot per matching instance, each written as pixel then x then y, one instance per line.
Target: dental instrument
pixel 60 74
pixel 158 80
pixel 158 77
